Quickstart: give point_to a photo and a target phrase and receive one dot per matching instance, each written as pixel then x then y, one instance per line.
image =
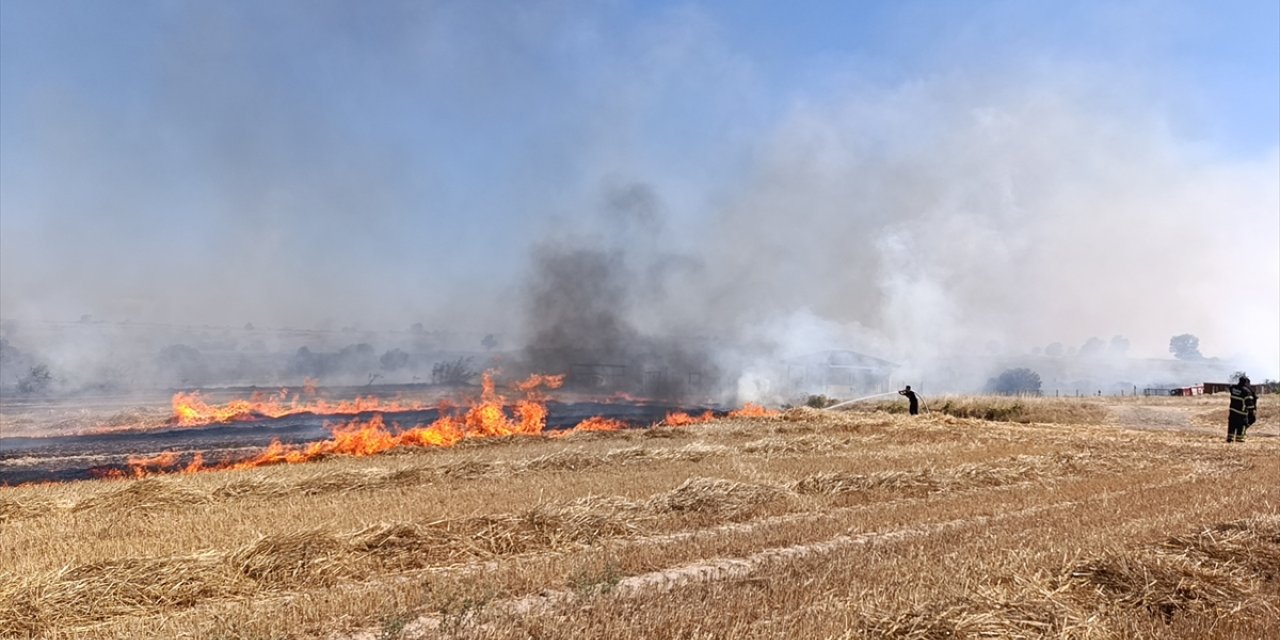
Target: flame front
pixel 485 418
pixel 191 410
pixel 600 424
pixel 752 410
pixel 680 419
pixel 538 379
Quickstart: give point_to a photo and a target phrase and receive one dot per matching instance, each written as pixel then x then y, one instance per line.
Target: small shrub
pixel 37 380
pixel 455 372
pixel 818 402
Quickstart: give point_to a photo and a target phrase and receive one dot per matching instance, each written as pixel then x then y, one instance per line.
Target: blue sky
pixel 301 158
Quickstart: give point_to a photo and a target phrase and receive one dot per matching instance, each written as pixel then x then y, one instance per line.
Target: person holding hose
pixel 1244 410
pixel 913 403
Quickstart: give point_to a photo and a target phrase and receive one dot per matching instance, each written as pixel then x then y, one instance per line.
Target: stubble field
pixel 1031 519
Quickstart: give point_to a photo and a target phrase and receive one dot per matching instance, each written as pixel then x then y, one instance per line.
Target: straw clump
pixel 251 487
pixel 695 452
pixel 410 545
pixel 467 469
pixel 776 446
pixel 716 497
pixel 1253 544
pixel 99 591
pixel 569 460
pixel 339 482
pixel 14 509
pixel 404 545
pixel 923 480
pixel 573 524
pixel 981 615
pixel 300 558
pixel 150 493
pixel 667 432
pixel 1222 568
pixel 1225 570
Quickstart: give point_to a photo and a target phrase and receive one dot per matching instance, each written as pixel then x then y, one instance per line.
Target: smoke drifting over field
pixel 636 192
pixel 939 219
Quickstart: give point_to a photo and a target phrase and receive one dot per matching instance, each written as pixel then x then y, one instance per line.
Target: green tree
pixel 1185 347
pixel 453 372
pixel 1015 382
pixel 183 364
pixel 394 359
pixel 1092 347
pixel 1119 345
pixel 37 380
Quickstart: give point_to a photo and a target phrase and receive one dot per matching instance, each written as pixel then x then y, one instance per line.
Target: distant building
pixel 1224 387
pixel 838 373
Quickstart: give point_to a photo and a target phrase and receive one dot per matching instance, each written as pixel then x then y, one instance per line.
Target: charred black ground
pixel 83 457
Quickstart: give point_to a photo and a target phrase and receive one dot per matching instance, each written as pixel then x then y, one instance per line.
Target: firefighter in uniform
pixel 913 403
pixel 1244 410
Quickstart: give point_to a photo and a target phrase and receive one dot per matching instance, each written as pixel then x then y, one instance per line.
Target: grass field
pixel 1091 518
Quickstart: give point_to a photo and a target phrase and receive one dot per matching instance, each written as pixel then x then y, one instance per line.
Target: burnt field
pixel 87 456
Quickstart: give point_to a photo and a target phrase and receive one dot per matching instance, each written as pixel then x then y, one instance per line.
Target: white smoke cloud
pixel 945 218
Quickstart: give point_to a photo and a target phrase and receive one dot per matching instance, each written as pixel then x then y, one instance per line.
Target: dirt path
pixel 1156 417
pixel 1197 418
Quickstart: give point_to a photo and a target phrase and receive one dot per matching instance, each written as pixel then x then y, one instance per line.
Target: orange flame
pixel 143 466
pixel 355 438
pixel 445 432
pixel 680 419
pixel 598 423
pixel 750 410
pixel 191 410
pixel 536 380
pixel 196 464
pixel 485 418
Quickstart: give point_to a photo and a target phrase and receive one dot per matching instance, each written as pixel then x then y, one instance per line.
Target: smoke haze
pixel 581 179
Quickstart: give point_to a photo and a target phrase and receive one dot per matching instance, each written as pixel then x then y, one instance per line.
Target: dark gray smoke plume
pixel 590 296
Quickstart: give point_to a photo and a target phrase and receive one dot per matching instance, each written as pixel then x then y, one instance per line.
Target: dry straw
pixel 573 504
